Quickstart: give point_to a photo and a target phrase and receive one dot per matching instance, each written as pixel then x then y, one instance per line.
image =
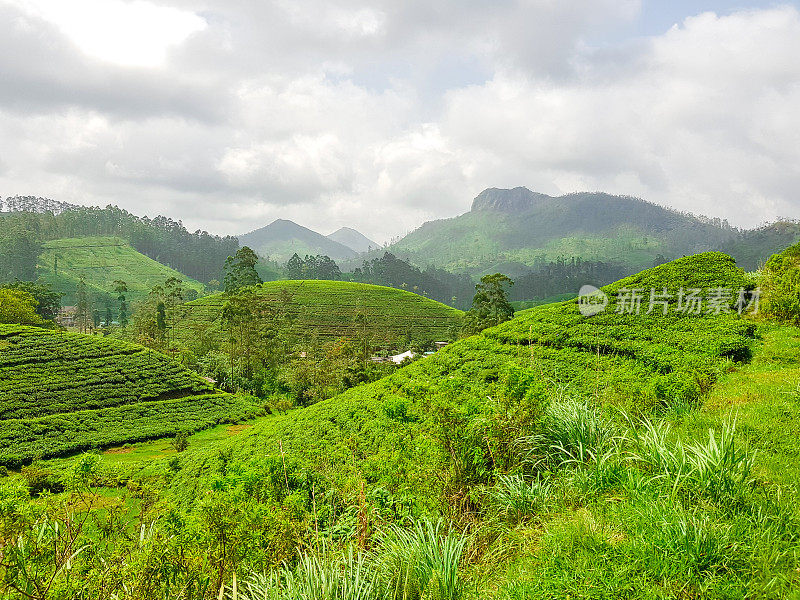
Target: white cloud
pixel 137 33
pixel 381 116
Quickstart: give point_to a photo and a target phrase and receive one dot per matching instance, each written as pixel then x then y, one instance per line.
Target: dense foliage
pixel 391 271
pixel 556 454
pixel 781 285
pixel 312 267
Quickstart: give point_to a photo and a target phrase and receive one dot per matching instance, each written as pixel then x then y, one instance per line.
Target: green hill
pixel 328 309
pixel 475 387
pixel 752 248
pixel 65 392
pixel 620 455
pixel 101 261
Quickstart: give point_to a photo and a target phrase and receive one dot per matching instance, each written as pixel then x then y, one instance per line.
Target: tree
pixel 161 321
pixel 83 309
pixel 490 306
pixel 120 287
pixel 19 252
pixel 240 270
pixel 18 306
pixel 294 268
pixel 48 301
pixel 173 295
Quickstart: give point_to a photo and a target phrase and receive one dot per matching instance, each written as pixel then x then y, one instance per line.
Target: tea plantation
pixel 330 309
pixel 102 261
pixel 64 392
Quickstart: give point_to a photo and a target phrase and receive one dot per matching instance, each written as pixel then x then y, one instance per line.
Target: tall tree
pixel 48 301
pixel 83 309
pixel 121 288
pixel 294 267
pixel 490 306
pixel 240 270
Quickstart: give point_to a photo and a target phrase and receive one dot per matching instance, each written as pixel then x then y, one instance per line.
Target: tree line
pixel 197 254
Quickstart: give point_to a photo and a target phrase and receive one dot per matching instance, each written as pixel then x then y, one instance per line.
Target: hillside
pixel 329 309
pixel 752 248
pixel 512 230
pixel 101 261
pixel 65 392
pixel 281 238
pixel 480 385
pixel 626 455
pixel 355 240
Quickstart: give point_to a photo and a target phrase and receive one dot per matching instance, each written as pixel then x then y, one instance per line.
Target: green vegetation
pixel 515 230
pixel 19 306
pixel 63 392
pixel 490 306
pixel 781 285
pixel 619 455
pixel 102 261
pixel 240 270
pixel 329 309
pixel 30 221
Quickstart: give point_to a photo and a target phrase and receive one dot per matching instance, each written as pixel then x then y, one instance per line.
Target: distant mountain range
pixel 515 230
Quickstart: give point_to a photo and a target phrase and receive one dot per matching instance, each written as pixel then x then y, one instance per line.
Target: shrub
pixel 180 442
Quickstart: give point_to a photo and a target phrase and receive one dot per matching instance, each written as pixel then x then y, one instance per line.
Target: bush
pixel 180 442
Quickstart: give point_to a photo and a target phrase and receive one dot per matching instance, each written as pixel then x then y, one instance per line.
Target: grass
pixel 101 261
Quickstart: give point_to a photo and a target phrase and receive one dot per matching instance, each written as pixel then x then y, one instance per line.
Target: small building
pixel 398 358
pixel 440 345
pixel 66 316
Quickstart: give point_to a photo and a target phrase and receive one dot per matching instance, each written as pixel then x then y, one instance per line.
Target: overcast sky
pixel 228 114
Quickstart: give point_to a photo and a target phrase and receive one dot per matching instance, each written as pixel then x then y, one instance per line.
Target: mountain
pixel 281 238
pixel 515 230
pixel 355 240
pixel 752 248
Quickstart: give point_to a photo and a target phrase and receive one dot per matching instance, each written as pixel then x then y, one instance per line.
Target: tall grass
pixel 519 498
pixel 316 577
pixel 716 466
pixel 571 431
pixel 421 562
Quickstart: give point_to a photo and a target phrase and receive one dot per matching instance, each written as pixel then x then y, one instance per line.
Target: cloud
pixel 384 115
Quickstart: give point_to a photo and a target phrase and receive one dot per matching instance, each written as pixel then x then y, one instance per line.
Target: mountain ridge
pixel 353 239
pixel 282 238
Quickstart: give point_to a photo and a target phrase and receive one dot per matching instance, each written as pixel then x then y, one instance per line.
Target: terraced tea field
pixel 65 392
pixel 330 309
pixel 101 261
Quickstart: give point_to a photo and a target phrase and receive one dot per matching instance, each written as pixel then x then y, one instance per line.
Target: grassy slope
pixel 602 529
pixel 62 392
pixel 328 309
pixel 643 362
pixel 103 260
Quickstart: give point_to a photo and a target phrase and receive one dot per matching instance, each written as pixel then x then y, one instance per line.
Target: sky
pixel 228 114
